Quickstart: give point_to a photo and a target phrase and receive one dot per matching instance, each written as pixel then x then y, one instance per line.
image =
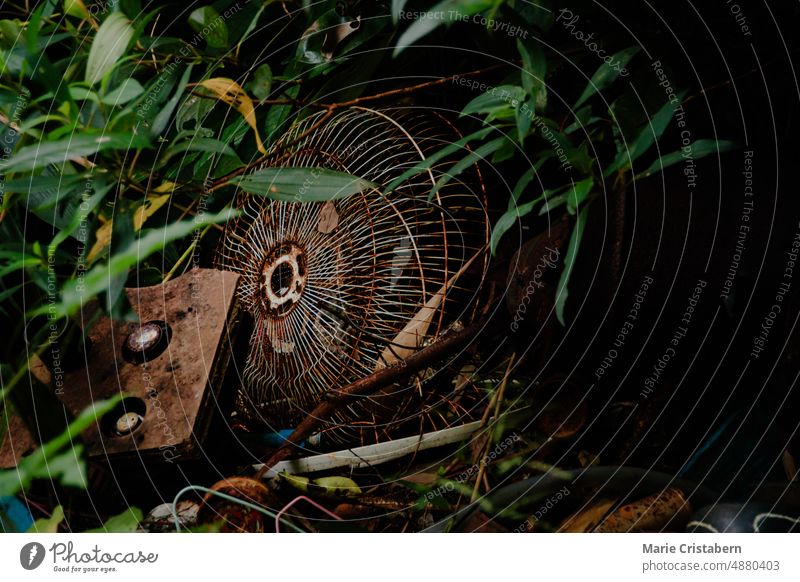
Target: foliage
pixel 58 460
pixel 122 120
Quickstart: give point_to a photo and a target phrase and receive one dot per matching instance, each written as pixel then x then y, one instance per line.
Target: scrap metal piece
pixel 340 288
pixel 170 395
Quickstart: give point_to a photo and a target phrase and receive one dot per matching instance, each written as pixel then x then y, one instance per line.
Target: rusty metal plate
pixel 170 392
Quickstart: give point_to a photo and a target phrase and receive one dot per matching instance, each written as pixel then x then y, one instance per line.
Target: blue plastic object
pixel 277 438
pixel 14 516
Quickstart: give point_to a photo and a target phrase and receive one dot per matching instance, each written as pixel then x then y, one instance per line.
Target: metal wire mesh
pixel 330 285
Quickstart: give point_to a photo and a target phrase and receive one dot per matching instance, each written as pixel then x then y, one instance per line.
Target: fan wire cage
pixel 339 288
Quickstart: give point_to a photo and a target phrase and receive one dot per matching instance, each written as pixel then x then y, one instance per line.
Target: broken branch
pixel 444 346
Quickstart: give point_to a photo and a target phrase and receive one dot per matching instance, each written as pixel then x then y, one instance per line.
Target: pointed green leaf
pixel 562 291
pixel 36 465
pixel 507 220
pixel 501 97
pixel 163 117
pixel 534 68
pixel 524 119
pixel 48 524
pixel 397 8
pixel 302 184
pixel 126 522
pixel 699 149
pixel 109 45
pixel 651 132
pixel 607 73
pixel 578 194
pixel 261 85
pixel 207 22
pixel 97 280
pixel 443 12
pixel 59 152
pixel 430 161
pixel 128 90
pixel 470 159
pixel 199 144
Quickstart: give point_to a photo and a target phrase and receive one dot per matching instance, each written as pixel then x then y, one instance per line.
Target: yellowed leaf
pixel 76 8
pixel 165 187
pixel 102 240
pixel 148 209
pixel 587 518
pixel 667 509
pixel 140 216
pixel 229 91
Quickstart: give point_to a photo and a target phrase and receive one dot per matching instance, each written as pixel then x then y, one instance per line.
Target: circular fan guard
pixel 331 285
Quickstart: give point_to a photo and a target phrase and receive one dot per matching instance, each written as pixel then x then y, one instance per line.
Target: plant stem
pixel 186 254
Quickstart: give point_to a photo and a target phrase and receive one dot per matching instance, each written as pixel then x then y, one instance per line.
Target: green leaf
pixel 59 152
pixel 553 199
pixel 397 8
pixel 430 161
pixel 129 90
pixel 578 194
pixel 148 106
pixel 42 191
pixel 527 177
pixel 552 203
pixel 77 9
pixel 38 464
pixel 299 482
pixel 445 12
pixel 126 522
pixel 334 486
pixel 261 85
pixel 534 69
pixel 470 159
pixel 207 22
pixel 70 468
pixel 251 26
pixel 122 236
pixel 96 281
pixel 583 119
pixel 497 98
pixel 80 213
pixel 108 47
pixel 514 212
pixel 539 14
pixel 507 220
pixel 278 114
pixel 48 524
pixel 10 33
pixel 163 117
pixel 81 93
pixel 524 119
pixel 34 25
pixel 649 135
pixel 699 149
pixel 302 184
pixel 607 73
pixel 200 144
pixel 523 182
pixel 9 268
pixel 562 291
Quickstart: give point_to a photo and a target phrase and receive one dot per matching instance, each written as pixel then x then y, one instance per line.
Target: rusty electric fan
pixel 340 288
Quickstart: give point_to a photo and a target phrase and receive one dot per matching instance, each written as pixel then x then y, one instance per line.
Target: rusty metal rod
pixel 367 385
